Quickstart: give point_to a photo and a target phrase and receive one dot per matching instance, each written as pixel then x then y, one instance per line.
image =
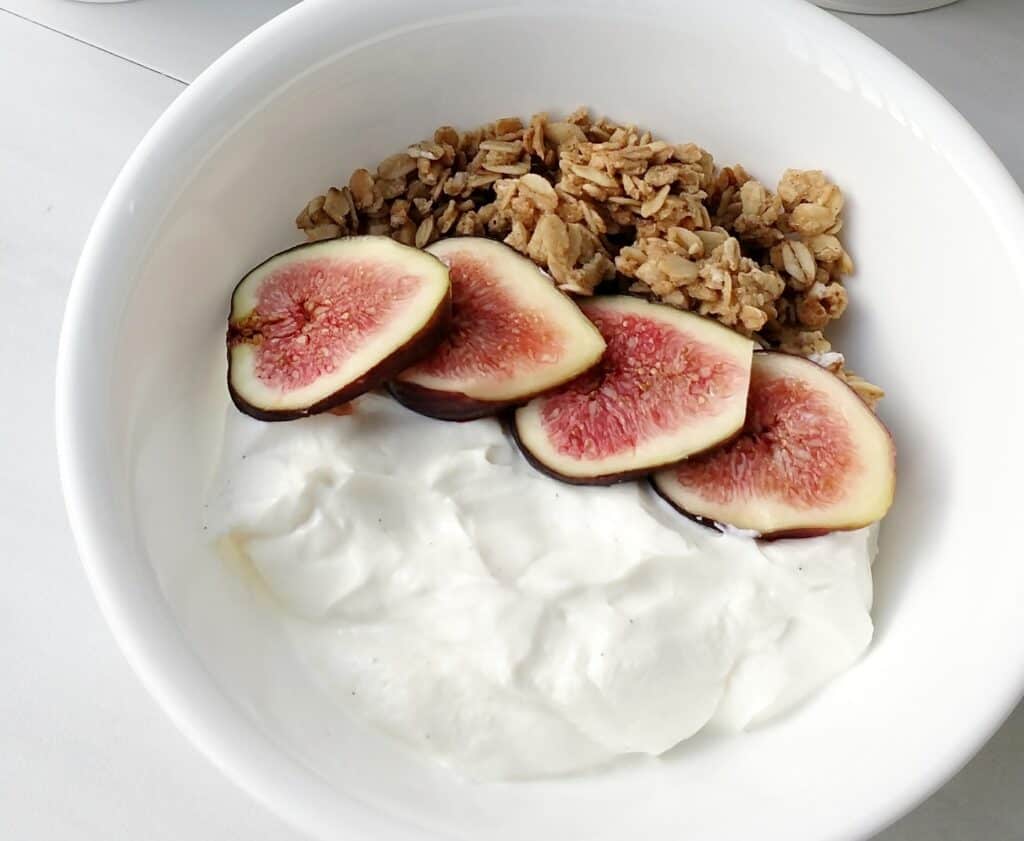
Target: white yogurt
pixel 513 626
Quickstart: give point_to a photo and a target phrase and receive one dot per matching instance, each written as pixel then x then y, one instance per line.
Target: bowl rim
pixel 246 756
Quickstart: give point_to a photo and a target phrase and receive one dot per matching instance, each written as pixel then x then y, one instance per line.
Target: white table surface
pixel 85 754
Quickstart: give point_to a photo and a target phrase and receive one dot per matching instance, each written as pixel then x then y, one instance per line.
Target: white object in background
pixel 882 7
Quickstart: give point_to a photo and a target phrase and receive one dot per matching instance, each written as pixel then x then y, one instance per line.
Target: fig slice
pixel 317 325
pixel 812 458
pixel 514 335
pixel 670 384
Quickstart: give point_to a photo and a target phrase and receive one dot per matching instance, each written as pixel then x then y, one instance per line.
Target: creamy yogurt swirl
pixel 513 626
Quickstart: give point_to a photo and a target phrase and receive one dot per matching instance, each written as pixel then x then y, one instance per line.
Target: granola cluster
pixel 596 203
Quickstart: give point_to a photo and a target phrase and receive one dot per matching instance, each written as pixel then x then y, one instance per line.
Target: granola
pixel 601 204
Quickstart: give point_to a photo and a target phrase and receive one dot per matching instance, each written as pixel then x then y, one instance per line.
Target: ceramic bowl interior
pixel 934 226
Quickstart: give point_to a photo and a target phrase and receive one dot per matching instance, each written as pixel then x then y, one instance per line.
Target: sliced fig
pixel 812 458
pixel 670 384
pixel 514 335
pixel 319 324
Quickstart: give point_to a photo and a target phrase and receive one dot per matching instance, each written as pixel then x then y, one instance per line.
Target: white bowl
pixel 935 225
pixel 883 7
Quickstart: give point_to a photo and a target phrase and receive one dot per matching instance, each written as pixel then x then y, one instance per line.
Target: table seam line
pixel 85 43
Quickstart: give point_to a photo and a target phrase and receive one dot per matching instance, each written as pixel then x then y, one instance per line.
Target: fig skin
pixel 795 532
pixel 607 478
pixel 446 405
pixel 722 528
pixel 455 406
pixel 419 345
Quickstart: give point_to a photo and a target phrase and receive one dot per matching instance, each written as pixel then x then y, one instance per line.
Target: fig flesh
pixel 513 335
pixel 812 458
pixel 317 325
pixel 670 384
